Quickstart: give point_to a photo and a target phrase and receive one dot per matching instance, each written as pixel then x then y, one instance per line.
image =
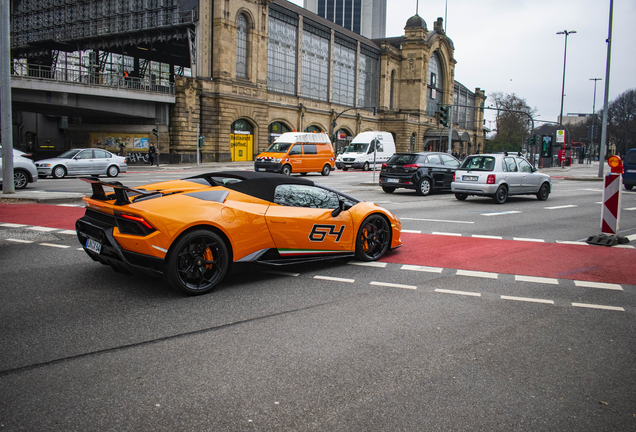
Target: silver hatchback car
pixel 499 176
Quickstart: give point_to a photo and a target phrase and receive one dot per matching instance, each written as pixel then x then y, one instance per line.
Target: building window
pixel 276 129
pixel 344 74
pixel 435 85
pixel 241 47
pixel 282 53
pixel 315 65
pixel 369 79
pixel 392 94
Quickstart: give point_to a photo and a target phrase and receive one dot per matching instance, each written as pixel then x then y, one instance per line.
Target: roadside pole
pixel 198 147
pixel 8 186
pixel 450 129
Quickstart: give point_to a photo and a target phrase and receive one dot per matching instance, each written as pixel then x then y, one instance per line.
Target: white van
pixel 360 152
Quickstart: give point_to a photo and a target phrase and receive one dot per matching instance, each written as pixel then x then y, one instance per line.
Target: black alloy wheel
pixel 198 262
pixel 374 238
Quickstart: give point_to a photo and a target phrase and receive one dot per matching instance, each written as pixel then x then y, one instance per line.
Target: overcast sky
pixel 511 46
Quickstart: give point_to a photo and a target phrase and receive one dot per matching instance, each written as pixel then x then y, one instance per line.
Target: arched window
pixel 241 46
pixel 435 81
pixel 392 95
pixel 312 129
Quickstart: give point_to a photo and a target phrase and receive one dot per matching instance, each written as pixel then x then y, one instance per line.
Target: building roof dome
pixel 416 21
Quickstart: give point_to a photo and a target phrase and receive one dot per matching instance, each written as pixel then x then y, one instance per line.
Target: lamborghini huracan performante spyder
pixel 192 230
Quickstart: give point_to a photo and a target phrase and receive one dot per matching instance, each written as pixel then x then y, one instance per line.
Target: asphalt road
pixel 330 346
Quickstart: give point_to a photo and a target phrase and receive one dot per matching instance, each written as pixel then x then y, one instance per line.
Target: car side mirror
pixel 342 206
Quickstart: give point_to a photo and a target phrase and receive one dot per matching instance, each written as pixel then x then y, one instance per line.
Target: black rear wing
pixel 121 191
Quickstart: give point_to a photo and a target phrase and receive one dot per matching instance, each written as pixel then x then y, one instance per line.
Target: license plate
pixel 631 171
pixel 260 169
pixel 94 246
pixel 470 178
pixel 392 180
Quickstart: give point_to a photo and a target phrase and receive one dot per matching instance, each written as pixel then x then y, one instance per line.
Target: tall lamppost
pixel 565 53
pixel 593 134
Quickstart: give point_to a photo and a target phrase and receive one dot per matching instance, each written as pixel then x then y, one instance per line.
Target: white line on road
pixel 631 208
pixel 335 279
pixel 55 245
pixel 560 207
pixel 594 306
pixel 477 274
pixel 487 236
pixel 446 234
pixel 12 225
pixel 438 220
pixel 601 285
pixel 527 299
pixel 368 264
pixel 466 293
pixel 528 239
pixel 69 232
pixel 43 229
pixel 500 213
pixel 535 279
pixel 19 240
pixel 422 268
pixel 412 231
pixel 572 242
pixel 392 285
pixel 276 272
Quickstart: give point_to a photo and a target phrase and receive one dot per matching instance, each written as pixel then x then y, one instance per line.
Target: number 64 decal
pixel 319 232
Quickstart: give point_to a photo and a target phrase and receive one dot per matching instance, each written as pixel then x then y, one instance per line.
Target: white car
pixel 499 176
pixel 24 170
pixel 91 161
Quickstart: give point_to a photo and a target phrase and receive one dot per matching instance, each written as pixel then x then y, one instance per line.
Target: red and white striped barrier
pixel 611 215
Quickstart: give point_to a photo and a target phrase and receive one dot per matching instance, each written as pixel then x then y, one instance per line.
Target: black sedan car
pixel 424 172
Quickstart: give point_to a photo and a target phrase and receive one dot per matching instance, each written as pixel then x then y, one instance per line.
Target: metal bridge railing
pixel 90 78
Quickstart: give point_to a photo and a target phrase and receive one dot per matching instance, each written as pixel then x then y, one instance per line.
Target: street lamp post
pixel 565 53
pixel 593 134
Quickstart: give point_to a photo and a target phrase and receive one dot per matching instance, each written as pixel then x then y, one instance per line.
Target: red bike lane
pixel 553 260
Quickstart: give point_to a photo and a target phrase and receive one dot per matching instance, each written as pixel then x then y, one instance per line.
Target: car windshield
pixel 478 163
pixel 69 154
pixel 357 148
pixel 630 158
pixel 402 159
pixel 279 147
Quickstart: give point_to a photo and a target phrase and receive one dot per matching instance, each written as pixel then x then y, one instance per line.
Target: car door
pixel 310 158
pixel 302 224
pixel 530 179
pixel 101 161
pixel 296 158
pixel 436 169
pixel 81 164
pixel 511 175
pixel 450 166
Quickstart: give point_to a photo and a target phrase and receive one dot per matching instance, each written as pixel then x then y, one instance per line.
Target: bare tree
pixel 621 125
pixel 512 125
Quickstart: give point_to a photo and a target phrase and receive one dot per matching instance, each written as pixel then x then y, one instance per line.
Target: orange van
pixel 298 152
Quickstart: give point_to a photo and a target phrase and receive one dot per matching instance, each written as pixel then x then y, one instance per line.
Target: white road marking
pixel 412 231
pixel 623 246
pixel 535 279
pixel 282 273
pixel 601 285
pixel 43 229
pixel 487 236
pixel 500 213
pixel 69 232
pixel 392 285
pixel 527 299
pixel 477 274
pixel 572 242
pixel 12 225
pixel 446 234
pixel 598 202
pixel 335 279
pixel 438 220
pixel 55 245
pixel 70 205
pixel 466 293
pixel 631 237
pixel 631 208
pixel 528 239
pixel 368 263
pixel 560 207
pixel 422 268
pixel 19 240
pixel 594 306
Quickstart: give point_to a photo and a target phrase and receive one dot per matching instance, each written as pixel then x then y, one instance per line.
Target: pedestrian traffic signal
pixel 201 141
pixel 375 110
pixel 444 112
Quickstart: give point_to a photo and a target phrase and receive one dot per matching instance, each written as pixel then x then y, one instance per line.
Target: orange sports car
pixel 192 230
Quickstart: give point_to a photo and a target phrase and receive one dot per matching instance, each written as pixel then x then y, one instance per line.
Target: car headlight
pixel 44 165
pixel 359 158
pixel 276 160
pixel 339 158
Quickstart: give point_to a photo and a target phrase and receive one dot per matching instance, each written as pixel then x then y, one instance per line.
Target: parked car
pixel 91 161
pixel 361 151
pixel 424 172
pixel 190 231
pixel 24 170
pixel 298 152
pixel 629 167
pixel 499 176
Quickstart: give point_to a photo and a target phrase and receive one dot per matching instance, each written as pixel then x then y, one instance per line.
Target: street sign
pixel 560 136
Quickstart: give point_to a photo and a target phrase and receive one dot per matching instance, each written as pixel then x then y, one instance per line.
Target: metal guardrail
pixel 90 78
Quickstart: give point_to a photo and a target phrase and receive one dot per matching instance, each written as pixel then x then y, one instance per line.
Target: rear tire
pixel 20 179
pixel 388 189
pixel 345 168
pixel 461 196
pixel 365 167
pixel 628 187
pixel 326 170
pixel 303 174
pixel 286 170
pixel 543 193
pixel 59 172
pixel 501 195
pixel 424 187
pixel 112 171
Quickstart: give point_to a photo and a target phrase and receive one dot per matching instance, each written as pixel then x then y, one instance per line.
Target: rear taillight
pixel 133 225
pixel 490 179
pixel 416 166
pixel 453 176
pixel 384 165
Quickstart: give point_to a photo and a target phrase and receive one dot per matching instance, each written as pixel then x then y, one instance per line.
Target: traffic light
pixel 375 110
pixel 529 141
pixel 201 141
pixel 155 132
pixel 444 112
